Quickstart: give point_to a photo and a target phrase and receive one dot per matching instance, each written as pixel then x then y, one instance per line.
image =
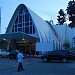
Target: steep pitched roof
pixel 42 27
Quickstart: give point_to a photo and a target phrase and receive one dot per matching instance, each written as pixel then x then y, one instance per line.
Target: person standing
pixel 20 61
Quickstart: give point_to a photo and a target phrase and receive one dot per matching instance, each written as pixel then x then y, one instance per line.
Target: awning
pixel 18 36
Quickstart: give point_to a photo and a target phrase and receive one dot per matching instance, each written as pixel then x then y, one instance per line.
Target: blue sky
pixel 46 9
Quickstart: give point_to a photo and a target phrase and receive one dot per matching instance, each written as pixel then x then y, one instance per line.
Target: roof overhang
pixel 18 36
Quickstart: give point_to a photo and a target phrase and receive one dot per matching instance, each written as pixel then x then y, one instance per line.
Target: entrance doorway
pixel 26 47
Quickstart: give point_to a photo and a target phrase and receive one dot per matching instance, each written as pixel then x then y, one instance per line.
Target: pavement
pixel 9 67
pixel 36 67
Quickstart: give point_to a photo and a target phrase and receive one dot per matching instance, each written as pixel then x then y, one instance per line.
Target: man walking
pixel 20 60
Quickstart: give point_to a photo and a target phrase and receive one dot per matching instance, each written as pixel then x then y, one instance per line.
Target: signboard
pixel 45 46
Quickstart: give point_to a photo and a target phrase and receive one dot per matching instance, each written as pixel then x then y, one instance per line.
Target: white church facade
pixel 29 32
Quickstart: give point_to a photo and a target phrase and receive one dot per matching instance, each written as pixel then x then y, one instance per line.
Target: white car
pixel 3 53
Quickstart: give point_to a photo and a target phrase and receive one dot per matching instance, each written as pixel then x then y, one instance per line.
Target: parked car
pixel 13 54
pixel 3 53
pixel 61 55
pixel 73 54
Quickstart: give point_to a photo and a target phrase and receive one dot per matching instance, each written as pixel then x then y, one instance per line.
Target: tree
pixel 71 13
pixel 61 17
pixel 66 45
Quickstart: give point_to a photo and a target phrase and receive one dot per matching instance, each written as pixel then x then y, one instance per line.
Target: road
pixel 36 67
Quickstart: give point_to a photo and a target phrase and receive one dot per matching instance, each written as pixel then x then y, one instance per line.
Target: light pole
pixel 65 32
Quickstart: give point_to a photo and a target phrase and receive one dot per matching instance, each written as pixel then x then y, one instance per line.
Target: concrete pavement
pixel 36 67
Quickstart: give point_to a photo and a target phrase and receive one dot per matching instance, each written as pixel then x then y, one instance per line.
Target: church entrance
pixel 26 47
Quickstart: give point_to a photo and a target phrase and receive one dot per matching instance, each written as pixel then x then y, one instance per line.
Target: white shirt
pixel 20 57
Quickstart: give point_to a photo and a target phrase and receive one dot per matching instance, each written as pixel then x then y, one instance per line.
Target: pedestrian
pixel 20 61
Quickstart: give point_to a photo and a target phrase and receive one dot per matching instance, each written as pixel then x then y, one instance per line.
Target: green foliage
pixel 66 45
pixel 71 25
pixel 61 17
pixel 71 8
pixel 71 13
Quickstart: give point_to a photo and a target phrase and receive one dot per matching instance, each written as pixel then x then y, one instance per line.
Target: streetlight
pixel 65 32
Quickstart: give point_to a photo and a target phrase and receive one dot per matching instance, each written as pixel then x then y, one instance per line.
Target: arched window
pixel 24 22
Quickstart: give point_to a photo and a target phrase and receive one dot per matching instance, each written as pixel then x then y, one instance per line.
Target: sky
pixel 46 9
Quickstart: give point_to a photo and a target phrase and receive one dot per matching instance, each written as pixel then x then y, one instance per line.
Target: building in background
pixel 28 32
pixel 66 34
pixel 25 29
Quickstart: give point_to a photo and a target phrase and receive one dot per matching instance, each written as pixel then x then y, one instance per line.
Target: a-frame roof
pixel 41 26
